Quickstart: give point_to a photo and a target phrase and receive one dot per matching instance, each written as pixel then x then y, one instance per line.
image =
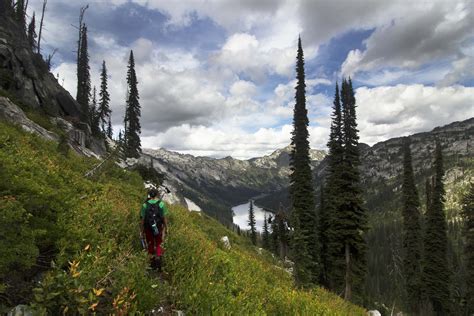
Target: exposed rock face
pixel 12 113
pixel 25 78
pixel 25 75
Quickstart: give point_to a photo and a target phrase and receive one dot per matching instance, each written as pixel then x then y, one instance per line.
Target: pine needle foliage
pixel 252 223
pixel 305 243
pixel 412 234
pixel 468 214
pixel 132 113
pixel 436 275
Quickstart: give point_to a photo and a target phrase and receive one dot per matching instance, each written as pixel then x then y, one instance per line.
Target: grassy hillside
pixel 78 237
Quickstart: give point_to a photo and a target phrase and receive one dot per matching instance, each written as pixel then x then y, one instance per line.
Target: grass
pixel 90 225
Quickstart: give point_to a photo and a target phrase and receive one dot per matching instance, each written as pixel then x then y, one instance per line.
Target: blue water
pixel 241 216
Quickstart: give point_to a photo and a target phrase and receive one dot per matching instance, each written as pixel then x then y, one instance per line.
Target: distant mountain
pixel 217 184
pixel 382 163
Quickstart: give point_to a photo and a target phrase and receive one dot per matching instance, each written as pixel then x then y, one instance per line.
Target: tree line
pixel 328 241
pixel 98 115
pixel 95 112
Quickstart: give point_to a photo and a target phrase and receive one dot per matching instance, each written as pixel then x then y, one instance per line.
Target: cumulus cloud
pixel 430 31
pixel 216 142
pixel 386 112
pixel 233 15
pixel 462 68
pixel 226 101
pixel 242 53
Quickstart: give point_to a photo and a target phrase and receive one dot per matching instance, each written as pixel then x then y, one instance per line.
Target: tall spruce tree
pixel 132 113
pixel 305 243
pixel 412 234
pixel 283 233
pixel 350 223
pixel 274 245
pixel 104 100
pixel 20 12
pixel 94 114
pixel 83 75
pixel 32 33
pixel 331 247
pixel 265 234
pixel 468 214
pixel 109 127
pixel 5 7
pixel 252 223
pixel 436 275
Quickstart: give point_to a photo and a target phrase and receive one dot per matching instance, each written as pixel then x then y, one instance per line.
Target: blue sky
pixel 216 78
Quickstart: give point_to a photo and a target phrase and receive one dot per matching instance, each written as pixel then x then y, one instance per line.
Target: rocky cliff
pixel 25 75
pixel 26 81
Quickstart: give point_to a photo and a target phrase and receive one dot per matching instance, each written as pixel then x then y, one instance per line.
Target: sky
pixel 217 77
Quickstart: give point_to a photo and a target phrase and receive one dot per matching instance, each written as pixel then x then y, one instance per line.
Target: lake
pixel 241 216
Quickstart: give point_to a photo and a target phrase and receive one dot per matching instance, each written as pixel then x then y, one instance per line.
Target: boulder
pixel 374 313
pixel 21 310
pixel 225 242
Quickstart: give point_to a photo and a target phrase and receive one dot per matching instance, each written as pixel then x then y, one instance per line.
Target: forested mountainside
pixel 381 172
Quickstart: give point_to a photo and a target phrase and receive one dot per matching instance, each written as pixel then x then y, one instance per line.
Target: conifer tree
pixel 104 100
pixel 32 33
pixel 331 247
pixel 350 222
pixel 94 114
pixel 468 214
pixel 83 75
pixel 412 234
pixel 20 12
pixel 251 222
pixel 5 7
pixel 274 243
pixel 436 275
pixel 283 233
pixel 132 113
pixel 305 243
pixel 265 234
pixel 109 128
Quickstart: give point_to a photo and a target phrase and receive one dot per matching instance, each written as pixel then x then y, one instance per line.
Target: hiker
pixel 153 225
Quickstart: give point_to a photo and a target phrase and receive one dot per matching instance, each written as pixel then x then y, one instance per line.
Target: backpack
pixel 154 217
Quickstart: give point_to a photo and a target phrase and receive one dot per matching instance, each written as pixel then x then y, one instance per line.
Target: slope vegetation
pixel 78 237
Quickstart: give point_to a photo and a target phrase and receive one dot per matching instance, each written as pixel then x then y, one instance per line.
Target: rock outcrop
pixel 25 79
pixel 25 75
pixel 76 137
pixel 10 112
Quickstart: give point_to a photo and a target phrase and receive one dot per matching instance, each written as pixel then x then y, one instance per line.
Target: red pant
pixel 154 242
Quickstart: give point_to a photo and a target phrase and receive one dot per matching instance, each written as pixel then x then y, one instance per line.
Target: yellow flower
pixel 98 292
pixel 93 306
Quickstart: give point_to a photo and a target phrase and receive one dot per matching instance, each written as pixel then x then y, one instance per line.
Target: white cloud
pixel 243 88
pixel 429 31
pixel 212 141
pixel 386 112
pixel 462 68
pixel 243 53
pixel 218 102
